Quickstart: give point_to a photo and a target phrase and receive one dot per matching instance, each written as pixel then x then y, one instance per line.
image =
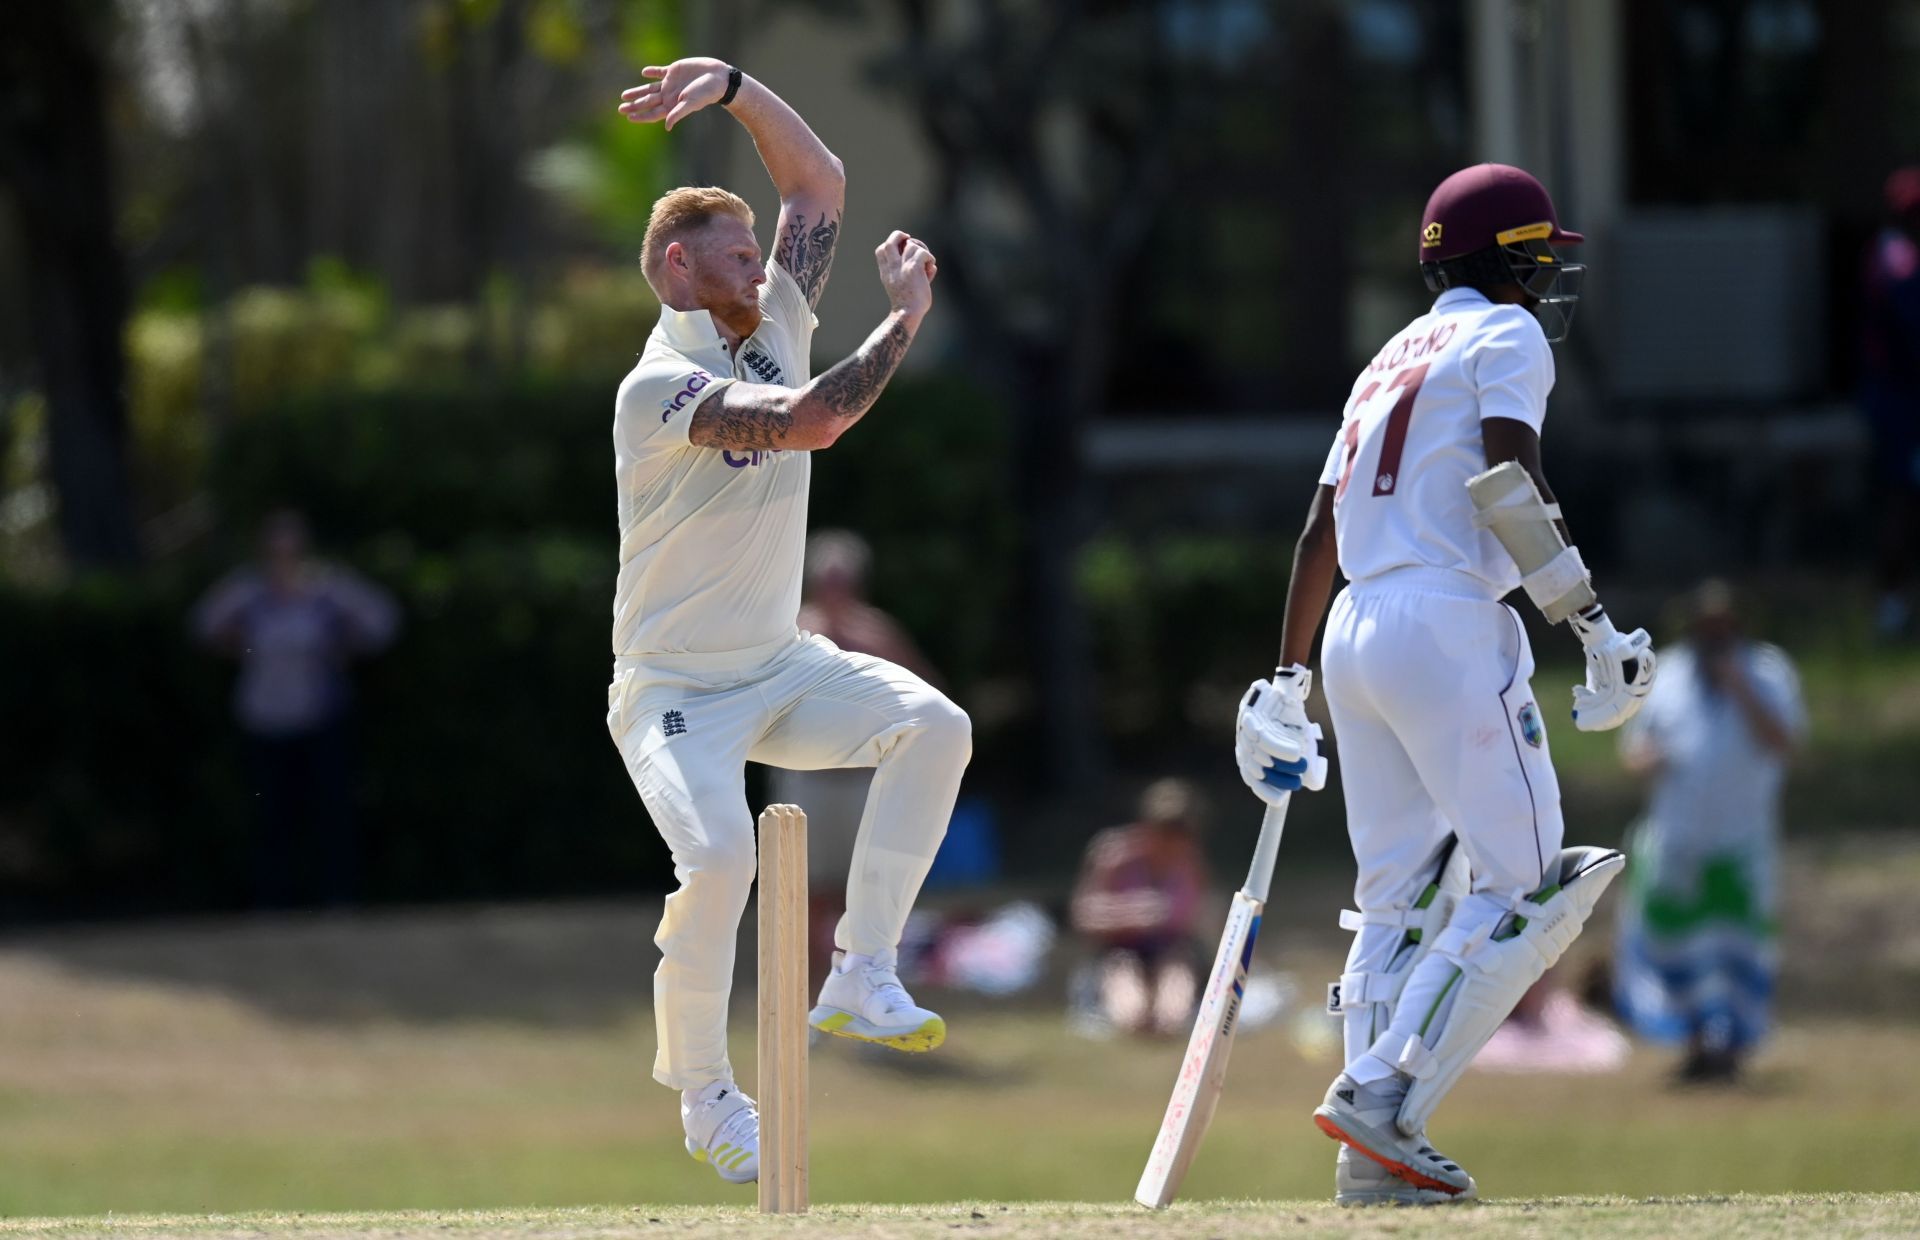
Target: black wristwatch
pixel 733 86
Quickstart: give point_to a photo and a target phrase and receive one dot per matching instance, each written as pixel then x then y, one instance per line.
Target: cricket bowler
pixel 1433 505
pixel 713 433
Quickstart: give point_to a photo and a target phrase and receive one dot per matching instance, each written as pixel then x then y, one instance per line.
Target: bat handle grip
pixel 1265 851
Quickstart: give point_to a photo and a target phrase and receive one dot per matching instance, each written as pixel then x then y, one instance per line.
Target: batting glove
pixel 1620 669
pixel 1275 745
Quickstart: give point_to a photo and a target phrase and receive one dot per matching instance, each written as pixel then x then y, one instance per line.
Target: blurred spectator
pixel 1551 1030
pixel 295 624
pixel 1136 901
pixel 998 951
pixel 1697 953
pixel 1890 393
pixel 833 603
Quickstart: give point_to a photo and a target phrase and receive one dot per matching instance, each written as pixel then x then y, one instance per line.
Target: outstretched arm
pixel 745 416
pixel 811 182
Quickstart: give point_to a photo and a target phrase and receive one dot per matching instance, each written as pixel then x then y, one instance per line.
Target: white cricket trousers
pixel 686 726
pixel 1427 680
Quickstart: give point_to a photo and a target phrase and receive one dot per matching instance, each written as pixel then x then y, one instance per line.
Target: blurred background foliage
pixel 485 507
pixel 372 262
pixel 374 259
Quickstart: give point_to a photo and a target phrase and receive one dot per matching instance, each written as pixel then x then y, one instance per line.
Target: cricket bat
pixel 1203 1071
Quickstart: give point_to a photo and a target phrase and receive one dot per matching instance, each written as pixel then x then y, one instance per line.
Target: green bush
pixel 112 733
pixel 269 350
pixel 428 468
pixel 487 770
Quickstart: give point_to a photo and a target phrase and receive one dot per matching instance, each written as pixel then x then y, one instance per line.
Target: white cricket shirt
pixel 710 539
pixel 1411 438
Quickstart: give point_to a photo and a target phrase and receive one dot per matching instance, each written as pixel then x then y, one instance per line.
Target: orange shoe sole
pixel 1419 1179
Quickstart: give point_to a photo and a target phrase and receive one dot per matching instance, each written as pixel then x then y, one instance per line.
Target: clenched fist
pixel 907 268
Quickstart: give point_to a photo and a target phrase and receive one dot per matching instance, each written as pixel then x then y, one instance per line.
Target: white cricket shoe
pixel 1360 1181
pixel 867 1002
pixel 723 1128
pixel 1362 1118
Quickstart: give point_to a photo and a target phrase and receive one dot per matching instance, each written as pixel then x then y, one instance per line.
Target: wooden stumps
pixel 784 1004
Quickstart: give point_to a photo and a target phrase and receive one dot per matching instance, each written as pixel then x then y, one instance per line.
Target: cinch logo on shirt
pixel 759 456
pixel 695 384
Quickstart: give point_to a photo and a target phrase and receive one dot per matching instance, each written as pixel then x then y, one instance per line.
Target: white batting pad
pixel 1388 945
pixel 1498 958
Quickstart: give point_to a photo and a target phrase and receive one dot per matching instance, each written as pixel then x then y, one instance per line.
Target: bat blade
pixel 1203 1070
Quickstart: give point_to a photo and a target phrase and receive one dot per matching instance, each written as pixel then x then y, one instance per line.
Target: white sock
pixel 849 961
pixel 1370 1068
pixel 690 1098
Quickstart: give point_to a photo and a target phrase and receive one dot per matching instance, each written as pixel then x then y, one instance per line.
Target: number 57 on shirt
pixel 1407 383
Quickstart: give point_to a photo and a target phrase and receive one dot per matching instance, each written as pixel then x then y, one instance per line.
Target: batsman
pixel 713 437
pixel 1433 505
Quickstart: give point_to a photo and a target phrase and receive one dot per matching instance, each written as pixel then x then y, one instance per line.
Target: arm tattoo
pixel 806 251
pixel 743 417
pixel 720 423
pixel 850 388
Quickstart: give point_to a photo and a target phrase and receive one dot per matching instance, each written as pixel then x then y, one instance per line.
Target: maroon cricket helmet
pixel 1486 205
pixel 1492 224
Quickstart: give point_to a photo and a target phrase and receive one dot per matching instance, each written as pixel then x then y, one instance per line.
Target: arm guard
pixel 1506 501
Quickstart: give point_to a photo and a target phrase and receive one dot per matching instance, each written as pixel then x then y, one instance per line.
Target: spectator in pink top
pixel 296 625
pixel 1137 900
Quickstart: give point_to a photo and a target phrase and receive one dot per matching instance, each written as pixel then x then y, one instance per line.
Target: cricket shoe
pixel 723 1128
pixel 1360 1181
pixel 1362 1117
pixel 867 1002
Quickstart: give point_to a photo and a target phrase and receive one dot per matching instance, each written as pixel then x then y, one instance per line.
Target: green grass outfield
pixel 1839 1214
pixel 499 1059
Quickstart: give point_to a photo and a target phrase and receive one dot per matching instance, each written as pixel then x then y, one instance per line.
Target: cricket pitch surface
pixel 1827 1214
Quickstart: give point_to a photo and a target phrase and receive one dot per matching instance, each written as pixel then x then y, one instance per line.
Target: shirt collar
pixel 690 331
pixel 1460 297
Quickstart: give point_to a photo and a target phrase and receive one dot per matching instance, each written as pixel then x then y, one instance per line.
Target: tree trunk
pixel 53 148
pixel 1049 487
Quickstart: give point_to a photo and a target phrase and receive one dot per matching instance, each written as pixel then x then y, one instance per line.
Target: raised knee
pixel 946 725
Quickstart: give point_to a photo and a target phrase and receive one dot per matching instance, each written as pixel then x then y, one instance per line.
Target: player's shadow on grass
pixel 949 1066
pixel 1767 1081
